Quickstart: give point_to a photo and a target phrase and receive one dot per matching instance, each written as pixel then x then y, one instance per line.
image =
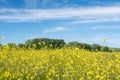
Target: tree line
pixel 93 47
pixel 46 43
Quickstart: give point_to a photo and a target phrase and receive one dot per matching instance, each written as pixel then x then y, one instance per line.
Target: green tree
pixel 87 46
pixel 74 44
pixel 1 45
pixel 12 45
pixel 21 45
pixel 28 43
pixel 104 49
pixel 39 43
pixel 96 47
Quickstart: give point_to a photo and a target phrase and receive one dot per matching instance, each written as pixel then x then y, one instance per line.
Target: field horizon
pixel 59 39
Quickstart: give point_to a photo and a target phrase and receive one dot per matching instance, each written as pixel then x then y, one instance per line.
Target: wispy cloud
pixel 82 15
pixel 97 27
pixel 104 27
pixel 31 4
pixel 97 20
pixel 57 29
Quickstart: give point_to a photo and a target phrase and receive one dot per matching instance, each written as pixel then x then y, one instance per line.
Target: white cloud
pixel 57 29
pixel 104 27
pixel 81 15
pixel 97 27
pixel 96 19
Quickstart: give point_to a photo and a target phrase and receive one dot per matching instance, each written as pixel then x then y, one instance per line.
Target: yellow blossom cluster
pixel 58 64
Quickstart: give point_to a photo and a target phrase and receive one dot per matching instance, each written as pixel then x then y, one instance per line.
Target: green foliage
pixel 75 44
pixel 21 45
pixel 79 45
pixel 96 47
pixel 87 46
pixel 39 43
pixel 104 48
pixel 1 45
pixel 12 45
pixel 46 43
pixel 28 43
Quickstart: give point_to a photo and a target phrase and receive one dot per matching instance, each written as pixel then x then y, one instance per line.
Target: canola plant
pixel 58 64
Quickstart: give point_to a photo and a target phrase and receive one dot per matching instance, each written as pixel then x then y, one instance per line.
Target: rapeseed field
pixel 58 64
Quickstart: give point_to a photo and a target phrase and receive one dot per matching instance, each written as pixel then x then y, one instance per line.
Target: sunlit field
pixel 58 64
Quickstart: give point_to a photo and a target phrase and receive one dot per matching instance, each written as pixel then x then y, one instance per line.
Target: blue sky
pixel 86 21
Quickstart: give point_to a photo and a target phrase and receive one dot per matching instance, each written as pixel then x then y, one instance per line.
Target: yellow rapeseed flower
pixel 6 74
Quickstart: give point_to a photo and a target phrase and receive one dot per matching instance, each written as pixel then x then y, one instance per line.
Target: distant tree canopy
pixel 46 43
pixel 39 43
pixel 79 45
pixel 1 45
pixel 28 43
pixel 96 47
pixel 21 45
pixel 93 47
pixel 12 45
